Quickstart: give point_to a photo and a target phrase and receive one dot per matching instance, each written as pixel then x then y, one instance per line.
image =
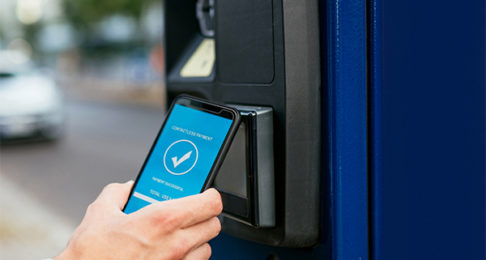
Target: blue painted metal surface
pixel 428 129
pixel 348 128
pixel 375 111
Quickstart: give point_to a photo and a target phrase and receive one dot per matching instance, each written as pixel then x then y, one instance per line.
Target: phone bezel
pixel 208 107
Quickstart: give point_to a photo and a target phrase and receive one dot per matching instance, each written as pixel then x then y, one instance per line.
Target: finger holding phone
pixel 176 229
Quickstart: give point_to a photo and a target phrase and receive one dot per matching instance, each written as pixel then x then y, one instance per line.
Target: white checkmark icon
pixel 181 160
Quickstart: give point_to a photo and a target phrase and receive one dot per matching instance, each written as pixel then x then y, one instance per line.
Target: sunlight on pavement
pixel 27 229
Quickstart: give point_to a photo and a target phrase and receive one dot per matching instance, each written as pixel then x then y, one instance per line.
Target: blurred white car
pixel 30 102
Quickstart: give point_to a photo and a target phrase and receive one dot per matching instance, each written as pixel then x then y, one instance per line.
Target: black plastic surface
pixel 234 173
pixel 245 41
pixel 182 28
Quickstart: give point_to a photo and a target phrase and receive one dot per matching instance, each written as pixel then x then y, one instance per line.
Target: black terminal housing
pixel 265 53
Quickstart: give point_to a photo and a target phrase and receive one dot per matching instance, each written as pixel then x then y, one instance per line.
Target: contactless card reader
pixel 246 178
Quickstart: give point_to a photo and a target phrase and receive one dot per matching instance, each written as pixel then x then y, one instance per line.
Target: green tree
pixel 83 14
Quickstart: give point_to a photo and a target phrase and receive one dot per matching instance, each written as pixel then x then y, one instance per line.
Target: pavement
pixel 29 230
pixel 46 186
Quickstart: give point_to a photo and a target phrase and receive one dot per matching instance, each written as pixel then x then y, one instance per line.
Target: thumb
pixel 116 194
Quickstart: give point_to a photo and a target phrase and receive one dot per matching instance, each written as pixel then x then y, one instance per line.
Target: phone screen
pixel 181 158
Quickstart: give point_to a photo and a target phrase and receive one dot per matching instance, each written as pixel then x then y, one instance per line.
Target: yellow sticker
pixel 201 62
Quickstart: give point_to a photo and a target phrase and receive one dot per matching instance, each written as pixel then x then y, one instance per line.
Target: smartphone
pixel 187 153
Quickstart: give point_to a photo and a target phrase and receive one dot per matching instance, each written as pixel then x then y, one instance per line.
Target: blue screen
pixel 182 157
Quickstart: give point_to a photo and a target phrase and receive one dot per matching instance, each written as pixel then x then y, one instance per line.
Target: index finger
pixel 187 211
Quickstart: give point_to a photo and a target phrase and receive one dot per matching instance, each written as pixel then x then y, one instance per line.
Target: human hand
pixel 175 229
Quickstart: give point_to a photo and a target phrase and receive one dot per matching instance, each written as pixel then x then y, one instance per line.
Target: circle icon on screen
pixel 180 157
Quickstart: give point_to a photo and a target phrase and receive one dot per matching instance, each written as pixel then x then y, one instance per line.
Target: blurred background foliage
pixel 107 48
pixel 56 25
pixel 84 13
pixel 88 17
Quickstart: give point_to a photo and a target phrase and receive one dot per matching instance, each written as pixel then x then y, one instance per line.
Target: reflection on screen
pixel 232 175
pixel 182 157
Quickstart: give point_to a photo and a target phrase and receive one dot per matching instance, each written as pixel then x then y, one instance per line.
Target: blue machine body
pixel 427 119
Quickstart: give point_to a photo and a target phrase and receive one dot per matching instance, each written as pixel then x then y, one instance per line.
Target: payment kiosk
pixel 364 124
pixel 262 57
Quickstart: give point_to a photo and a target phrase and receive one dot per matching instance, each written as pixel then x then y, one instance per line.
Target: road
pixel 102 143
